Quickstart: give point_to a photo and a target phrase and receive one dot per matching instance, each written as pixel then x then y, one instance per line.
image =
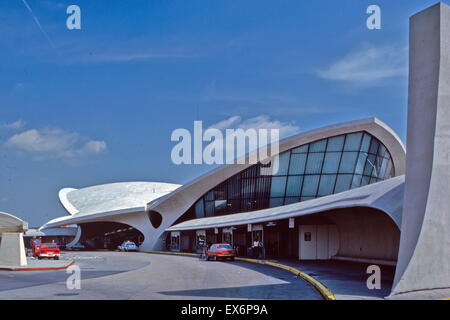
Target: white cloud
pixel 54 143
pixel 227 123
pixel 90 147
pixel 369 65
pixel 14 125
pixel 259 122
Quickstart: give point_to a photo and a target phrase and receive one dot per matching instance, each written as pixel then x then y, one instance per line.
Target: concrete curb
pixel 72 262
pixel 323 290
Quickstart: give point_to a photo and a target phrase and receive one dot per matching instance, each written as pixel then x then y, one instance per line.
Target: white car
pixel 128 246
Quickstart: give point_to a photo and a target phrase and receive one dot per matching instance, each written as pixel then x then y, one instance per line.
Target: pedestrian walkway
pixel 435 294
pixel 347 280
pixel 39 265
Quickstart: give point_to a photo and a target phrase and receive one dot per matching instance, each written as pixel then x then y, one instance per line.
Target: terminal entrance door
pixel 227 236
pixel 272 242
pixel 258 241
pixel 200 240
pixel 308 245
pixel 175 241
pixel 318 242
pixel 257 234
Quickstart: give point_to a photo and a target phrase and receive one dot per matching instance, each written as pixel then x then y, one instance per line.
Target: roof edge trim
pixel 62 194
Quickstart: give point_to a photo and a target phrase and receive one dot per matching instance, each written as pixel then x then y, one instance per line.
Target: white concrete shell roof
pixel 10 223
pixel 386 196
pixel 184 197
pixel 108 199
pixel 64 232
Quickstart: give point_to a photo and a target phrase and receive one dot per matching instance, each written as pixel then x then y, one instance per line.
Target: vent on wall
pixel 155 218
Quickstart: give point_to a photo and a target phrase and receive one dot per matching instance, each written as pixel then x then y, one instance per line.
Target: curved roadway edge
pixel 322 289
pixel 25 268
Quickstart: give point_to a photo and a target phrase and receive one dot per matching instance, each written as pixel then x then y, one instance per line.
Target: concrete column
pixel 12 250
pixel 424 255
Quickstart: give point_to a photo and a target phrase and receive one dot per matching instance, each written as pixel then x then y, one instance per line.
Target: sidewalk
pixel 346 280
pixel 435 294
pixel 40 265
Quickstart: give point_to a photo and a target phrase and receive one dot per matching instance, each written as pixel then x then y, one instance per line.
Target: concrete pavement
pixel 344 280
pixel 116 275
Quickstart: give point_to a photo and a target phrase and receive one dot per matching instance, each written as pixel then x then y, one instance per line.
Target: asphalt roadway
pixel 123 276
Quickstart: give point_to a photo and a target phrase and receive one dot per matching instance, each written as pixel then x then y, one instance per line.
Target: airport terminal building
pixel 341 191
pixel 336 194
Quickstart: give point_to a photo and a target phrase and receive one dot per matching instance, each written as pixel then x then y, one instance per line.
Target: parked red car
pixel 220 251
pixel 46 250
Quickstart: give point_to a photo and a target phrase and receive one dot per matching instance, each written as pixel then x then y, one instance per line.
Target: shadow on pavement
pixel 289 291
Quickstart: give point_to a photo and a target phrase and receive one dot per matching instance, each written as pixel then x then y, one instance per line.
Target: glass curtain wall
pixel 318 169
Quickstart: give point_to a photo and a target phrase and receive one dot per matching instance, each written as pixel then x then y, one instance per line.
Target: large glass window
pixel 335 144
pixel 283 165
pixel 294 186
pixel 365 143
pixel 314 163
pixel 348 162
pixel 326 186
pixel 343 182
pixel 209 208
pixel 362 158
pixel 321 168
pixel 353 142
pixel 318 146
pixel 331 163
pixel 302 149
pixel 278 187
pixel 199 209
pixel 310 186
pixel 297 164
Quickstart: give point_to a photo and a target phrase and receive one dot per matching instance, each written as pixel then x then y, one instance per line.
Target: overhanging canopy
pixel 386 196
pixel 10 223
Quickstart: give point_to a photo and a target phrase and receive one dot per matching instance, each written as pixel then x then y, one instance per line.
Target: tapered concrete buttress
pixel 12 250
pixel 424 255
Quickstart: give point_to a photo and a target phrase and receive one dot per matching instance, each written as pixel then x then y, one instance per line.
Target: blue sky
pixel 98 105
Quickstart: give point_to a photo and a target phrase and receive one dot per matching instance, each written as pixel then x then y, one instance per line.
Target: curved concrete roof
pixel 108 199
pixel 10 223
pixel 386 196
pixel 65 232
pixel 65 201
pixel 113 196
pixel 184 197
